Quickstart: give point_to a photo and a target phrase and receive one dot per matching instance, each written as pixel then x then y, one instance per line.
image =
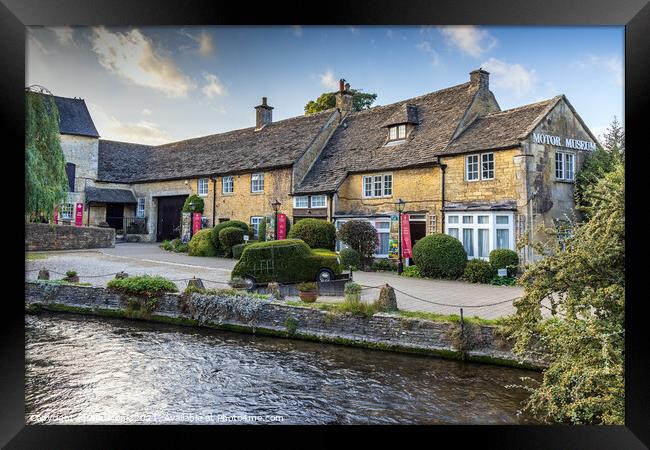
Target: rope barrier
pixel 454 306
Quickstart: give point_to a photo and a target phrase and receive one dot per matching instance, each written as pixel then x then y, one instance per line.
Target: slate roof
pixel 109 195
pixel 359 147
pixel 74 117
pixel 501 129
pixel 278 144
pixel 406 113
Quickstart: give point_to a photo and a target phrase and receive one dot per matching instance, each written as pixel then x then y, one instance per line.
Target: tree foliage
pixel 327 100
pixel 46 182
pixel 583 285
pixel 361 236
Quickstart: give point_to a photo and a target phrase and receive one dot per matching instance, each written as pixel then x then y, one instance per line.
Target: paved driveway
pixel 139 258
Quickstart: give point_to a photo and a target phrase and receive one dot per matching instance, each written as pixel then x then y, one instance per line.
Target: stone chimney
pixel 344 97
pixel 480 78
pixel 263 115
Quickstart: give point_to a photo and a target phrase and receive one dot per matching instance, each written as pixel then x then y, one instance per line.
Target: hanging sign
pixel 79 214
pixel 393 247
pixel 282 226
pixel 196 223
pixel 406 237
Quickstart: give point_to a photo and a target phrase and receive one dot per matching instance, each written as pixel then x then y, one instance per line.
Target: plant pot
pixel 308 296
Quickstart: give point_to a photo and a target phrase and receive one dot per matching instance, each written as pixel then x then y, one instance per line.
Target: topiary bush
pixel 144 285
pixel 479 271
pixel 229 237
pixel 503 258
pixel 261 231
pixel 201 244
pixel 350 258
pixel 411 272
pixel 440 256
pixel 361 236
pixel 237 250
pixel 228 223
pixel 198 204
pixel 315 232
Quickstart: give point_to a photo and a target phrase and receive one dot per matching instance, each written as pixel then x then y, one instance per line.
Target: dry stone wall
pixel 43 236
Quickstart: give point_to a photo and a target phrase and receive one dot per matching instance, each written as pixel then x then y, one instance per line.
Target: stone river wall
pixel 246 313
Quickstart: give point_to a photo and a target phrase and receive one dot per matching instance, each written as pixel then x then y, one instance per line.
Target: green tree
pixel 327 100
pixel 46 182
pixel 600 162
pixel 584 288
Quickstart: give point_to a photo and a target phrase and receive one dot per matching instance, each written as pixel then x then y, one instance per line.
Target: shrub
pixel 316 233
pixel 228 223
pixel 71 273
pixel 166 245
pixel 196 200
pixel 384 264
pixel 412 272
pixel 360 236
pixel 261 231
pixel 479 271
pixel 440 256
pixel 352 292
pixel 237 250
pixel 286 261
pixel 307 286
pixel 201 245
pixel 503 258
pixel 350 258
pixel 144 285
pixel 230 236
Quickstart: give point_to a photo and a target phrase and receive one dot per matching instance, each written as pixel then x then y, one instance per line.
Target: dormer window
pixel 397 132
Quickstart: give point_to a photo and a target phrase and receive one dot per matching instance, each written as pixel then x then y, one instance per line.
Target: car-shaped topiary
pixel 285 261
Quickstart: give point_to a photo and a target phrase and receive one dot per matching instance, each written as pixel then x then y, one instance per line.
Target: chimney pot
pixel 341 85
pixel 264 101
pixel 347 87
pixel 263 114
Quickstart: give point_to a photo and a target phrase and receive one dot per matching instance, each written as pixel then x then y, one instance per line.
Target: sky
pixel 153 85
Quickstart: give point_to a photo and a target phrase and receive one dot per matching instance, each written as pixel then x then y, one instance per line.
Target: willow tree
pixel 46 183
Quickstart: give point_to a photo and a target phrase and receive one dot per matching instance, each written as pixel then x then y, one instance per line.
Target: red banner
pixel 196 223
pixel 282 227
pixel 406 237
pixel 79 214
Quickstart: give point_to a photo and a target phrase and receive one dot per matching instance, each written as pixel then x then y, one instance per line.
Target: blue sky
pixel 159 84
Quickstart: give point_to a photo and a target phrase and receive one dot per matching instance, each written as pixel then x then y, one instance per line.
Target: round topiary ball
pixel 315 232
pixel 201 244
pixel 228 223
pixel 230 236
pixel 350 258
pixel 503 258
pixel 440 256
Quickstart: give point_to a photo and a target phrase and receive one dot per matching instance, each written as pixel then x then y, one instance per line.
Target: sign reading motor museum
pixel 539 138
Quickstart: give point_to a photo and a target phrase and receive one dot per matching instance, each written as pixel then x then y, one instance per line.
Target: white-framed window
pixel 487 166
pixel 564 166
pixel 382 225
pixel 257 182
pixel 378 185
pixel 481 232
pixel 301 202
pixel 255 223
pixel 67 211
pixel 227 185
pixel 140 211
pixel 203 187
pixel 318 201
pixel 397 132
pixel 471 168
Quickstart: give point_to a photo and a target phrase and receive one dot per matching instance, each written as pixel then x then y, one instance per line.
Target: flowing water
pixel 83 370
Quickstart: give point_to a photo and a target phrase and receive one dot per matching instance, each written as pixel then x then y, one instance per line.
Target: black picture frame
pixel 15 15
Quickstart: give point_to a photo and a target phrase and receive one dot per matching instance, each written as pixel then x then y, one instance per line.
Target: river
pixel 86 370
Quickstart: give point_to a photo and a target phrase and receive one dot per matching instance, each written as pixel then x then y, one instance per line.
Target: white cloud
pixel 297 30
pixel 425 46
pixel 612 64
pixel 141 132
pixel 65 35
pixel 213 86
pixel 327 80
pixel 206 44
pixel 146 112
pixel 469 39
pixel 133 57
pixel 514 77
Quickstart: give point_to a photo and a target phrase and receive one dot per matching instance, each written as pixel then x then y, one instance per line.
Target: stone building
pixel 460 164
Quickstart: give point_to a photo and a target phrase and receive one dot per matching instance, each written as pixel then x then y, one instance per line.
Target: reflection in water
pixel 92 370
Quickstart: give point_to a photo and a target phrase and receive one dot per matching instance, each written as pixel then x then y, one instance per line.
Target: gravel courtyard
pixel 99 266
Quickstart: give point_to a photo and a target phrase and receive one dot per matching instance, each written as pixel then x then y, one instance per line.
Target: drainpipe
pixel 214 198
pixel 443 167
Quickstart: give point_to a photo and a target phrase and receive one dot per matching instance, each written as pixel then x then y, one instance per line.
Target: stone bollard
pixel 195 283
pixel 274 290
pixel 121 275
pixel 43 274
pixel 387 300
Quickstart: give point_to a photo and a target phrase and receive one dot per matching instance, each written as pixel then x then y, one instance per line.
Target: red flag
pixel 196 223
pixel 282 227
pixel 406 237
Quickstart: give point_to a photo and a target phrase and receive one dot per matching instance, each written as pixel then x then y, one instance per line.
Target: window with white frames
pixel 203 187
pixel 564 166
pixel 383 233
pixel 471 168
pixel 318 201
pixel 397 132
pixel 257 182
pixel 301 202
pixel 378 185
pixel 140 210
pixel 255 223
pixel 227 185
pixel 67 211
pixel 483 171
pixel 481 232
pixel 487 166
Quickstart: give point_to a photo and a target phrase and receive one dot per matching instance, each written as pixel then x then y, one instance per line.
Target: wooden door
pixel 169 217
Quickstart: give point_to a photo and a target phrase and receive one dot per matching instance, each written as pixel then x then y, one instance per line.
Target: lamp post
pixel 276 206
pixel 400 209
